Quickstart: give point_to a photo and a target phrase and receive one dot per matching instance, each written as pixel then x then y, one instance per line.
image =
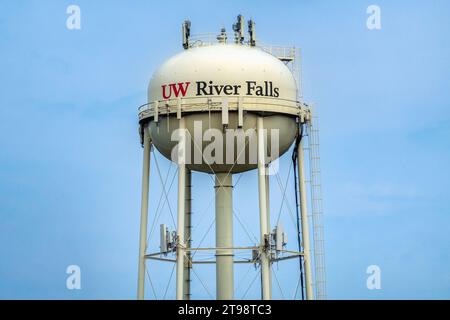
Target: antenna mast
pixel 238 29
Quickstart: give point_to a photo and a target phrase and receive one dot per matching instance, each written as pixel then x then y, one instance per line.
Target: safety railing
pixel 282 53
pixel 208 39
pixel 214 103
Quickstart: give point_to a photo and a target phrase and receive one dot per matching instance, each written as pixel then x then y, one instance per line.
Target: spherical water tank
pixel 222 88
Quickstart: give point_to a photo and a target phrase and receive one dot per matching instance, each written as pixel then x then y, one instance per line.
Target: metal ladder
pixel 316 208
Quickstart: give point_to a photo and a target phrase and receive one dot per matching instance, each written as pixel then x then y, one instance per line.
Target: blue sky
pixel 70 159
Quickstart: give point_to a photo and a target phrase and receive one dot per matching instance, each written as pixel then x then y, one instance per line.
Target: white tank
pixel 222 87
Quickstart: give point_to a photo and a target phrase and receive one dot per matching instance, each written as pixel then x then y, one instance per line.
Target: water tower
pixel 227 105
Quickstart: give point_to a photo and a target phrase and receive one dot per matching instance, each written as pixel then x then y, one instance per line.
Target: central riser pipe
pixel 224 236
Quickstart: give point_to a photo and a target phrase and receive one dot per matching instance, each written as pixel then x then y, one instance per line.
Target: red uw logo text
pixel 174 88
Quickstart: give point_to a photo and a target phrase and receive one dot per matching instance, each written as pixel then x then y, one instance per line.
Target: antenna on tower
pixel 238 29
pixel 251 32
pixel 186 33
pixel 222 37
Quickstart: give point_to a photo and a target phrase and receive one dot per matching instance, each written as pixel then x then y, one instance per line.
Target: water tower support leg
pixel 262 190
pixel 181 214
pixel 144 214
pixel 268 220
pixel 304 223
pixel 224 236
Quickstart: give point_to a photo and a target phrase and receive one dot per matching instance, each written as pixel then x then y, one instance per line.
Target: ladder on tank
pixel 312 133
